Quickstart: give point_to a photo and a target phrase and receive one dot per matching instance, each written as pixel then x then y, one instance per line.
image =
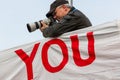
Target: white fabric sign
pixel 87 54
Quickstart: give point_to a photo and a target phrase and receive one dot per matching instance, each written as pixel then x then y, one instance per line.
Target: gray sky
pixel 15 14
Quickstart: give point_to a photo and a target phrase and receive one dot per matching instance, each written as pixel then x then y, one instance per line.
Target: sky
pixel 15 14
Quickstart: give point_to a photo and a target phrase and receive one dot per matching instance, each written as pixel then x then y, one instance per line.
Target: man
pixel 64 18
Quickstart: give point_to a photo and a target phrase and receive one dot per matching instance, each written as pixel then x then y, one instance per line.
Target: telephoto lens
pixel 36 25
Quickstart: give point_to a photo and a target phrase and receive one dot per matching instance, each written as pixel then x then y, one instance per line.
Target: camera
pixel 36 25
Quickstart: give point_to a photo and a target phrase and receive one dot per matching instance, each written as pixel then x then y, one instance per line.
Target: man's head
pixel 58 9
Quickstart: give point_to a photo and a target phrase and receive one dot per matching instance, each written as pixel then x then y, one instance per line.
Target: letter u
pixel 76 53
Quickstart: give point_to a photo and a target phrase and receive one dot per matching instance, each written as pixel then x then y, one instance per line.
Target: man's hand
pixel 43 26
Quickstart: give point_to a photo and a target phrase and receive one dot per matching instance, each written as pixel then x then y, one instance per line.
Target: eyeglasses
pixel 54 13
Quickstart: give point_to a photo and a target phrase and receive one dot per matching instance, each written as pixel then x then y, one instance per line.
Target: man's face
pixel 60 12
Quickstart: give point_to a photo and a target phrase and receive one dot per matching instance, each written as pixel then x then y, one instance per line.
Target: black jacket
pixel 72 21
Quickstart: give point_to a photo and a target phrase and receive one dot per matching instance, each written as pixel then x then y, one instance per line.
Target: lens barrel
pixel 36 25
pixel 33 26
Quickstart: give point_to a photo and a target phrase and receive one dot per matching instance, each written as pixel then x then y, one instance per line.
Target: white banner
pixel 87 54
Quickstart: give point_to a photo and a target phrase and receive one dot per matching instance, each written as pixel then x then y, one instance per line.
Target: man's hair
pixel 67 5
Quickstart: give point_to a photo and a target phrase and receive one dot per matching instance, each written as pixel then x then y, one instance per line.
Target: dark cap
pixel 54 5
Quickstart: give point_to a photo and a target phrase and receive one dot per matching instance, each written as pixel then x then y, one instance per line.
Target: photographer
pixel 64 18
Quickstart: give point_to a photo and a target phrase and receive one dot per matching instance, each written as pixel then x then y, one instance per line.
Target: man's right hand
pixel 43 26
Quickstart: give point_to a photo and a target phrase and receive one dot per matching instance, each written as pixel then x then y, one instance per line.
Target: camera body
pixel 36 25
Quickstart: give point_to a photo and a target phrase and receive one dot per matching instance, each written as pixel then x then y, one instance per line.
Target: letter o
pixel 45 61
